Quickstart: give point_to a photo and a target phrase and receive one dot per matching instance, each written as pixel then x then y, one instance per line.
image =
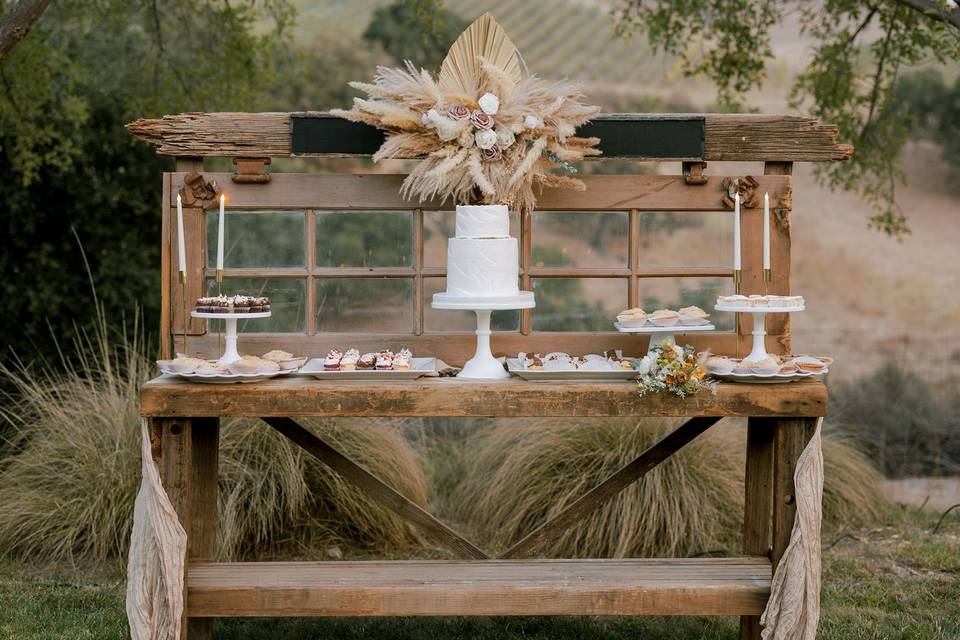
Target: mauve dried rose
pixel 481 120
pixel 493 154
pixel 458 112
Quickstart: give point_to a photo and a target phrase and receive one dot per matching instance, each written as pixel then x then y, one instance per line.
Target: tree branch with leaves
pixel 859 50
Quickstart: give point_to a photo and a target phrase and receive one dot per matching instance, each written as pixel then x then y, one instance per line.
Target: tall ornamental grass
pixel 71 467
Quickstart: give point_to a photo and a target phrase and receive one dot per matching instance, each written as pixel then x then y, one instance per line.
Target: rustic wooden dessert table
pixel 184 419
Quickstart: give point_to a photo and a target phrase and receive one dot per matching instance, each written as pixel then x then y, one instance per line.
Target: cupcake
pixel 632 318
pixel 694 316
pixel 277 355
pixel 385 360
pixel 349 360
pixel 367 362
pixel 664 317
pixel 332 361
pixel 765 367
pixel 720 365
pixel 401 361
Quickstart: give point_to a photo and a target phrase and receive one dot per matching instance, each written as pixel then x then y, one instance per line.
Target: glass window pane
pixel 674 293
pixel 288 302
pixel 364 238
pixel 365 305
pixel 686 239
pixel 580 239
pixel 578 304
pixel 439 226
pixel 257 238
pixel 440 320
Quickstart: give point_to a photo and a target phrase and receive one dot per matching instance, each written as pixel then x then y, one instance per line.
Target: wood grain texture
pixel 302 396
pixel 694 586
pixel 375 488
pixel 778 324
pixel 382 191
pixel 726 136
pixel 758 503
pixel 546 533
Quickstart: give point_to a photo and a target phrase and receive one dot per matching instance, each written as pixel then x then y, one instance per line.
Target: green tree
pixel 859 50
pixel 420 31
pixel 72 173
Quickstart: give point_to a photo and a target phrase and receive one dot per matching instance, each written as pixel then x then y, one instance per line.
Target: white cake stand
pixel 483 365
pixel 759 351
pixel 659 334
pixel 230 352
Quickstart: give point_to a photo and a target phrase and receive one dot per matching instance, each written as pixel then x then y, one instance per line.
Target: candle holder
pixel 767 275
pixel 737 279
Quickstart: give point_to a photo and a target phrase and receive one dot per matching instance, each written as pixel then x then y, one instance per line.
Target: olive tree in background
pixel 859 51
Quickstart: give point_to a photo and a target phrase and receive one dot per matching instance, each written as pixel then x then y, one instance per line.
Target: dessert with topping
pixel 332 361
pixel 232 304
pixel 401 362
pixel 385 360
pixel 367 361
pixel 632 318
pixel 694 316
pixel 349 360
pixel 664 317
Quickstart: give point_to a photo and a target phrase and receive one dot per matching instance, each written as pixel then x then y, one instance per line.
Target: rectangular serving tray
pixel 418 367
pixel 515 367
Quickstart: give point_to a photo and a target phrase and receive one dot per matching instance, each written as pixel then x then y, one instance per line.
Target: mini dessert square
pixel 332 361
pixel 349 360
pixel 367 362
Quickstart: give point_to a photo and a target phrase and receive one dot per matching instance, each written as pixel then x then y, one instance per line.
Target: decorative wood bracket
pixel 199 192
pixel 693 173
pixel 746 186
pixel 250 170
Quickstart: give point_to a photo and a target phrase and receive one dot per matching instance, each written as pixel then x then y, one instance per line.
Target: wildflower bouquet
pixel 671 368
pixel 487 133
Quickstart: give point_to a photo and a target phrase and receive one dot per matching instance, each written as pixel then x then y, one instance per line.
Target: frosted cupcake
pixel 349 360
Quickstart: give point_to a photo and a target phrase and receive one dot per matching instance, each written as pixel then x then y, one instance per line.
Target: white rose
pixel 489 104
pixel 447 129
pixel 533 122
pixel 485 139
pixel 505 137
pixel 643 367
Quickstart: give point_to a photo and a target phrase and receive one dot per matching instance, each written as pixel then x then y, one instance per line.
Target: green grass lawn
pixel 895 580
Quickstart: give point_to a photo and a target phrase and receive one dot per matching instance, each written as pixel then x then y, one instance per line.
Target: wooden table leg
pixel 188 457
pixel 773 447
pixel 758 503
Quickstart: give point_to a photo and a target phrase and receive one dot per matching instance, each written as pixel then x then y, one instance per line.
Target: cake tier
pixel 483 221
pixel 482 268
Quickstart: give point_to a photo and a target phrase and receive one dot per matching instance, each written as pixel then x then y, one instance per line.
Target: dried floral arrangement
pixel 487 132
pixel 672 369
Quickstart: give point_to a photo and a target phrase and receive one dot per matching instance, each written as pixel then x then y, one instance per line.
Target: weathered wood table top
pixel 168 396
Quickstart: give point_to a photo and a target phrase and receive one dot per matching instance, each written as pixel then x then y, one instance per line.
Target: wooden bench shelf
pixel 688 586
pixel 298 396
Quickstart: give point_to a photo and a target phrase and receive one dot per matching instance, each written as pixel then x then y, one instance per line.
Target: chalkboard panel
pixel 661 136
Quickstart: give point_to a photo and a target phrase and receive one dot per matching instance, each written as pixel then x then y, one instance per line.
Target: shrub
pixel 68 486
pixel 519 475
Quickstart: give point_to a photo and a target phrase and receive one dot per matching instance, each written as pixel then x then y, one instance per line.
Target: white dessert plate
pixel 515 366
pixel 418 367
pixel 523 300
pixel 225 378
pixel 756 378
pixel 767 309
pixel 652 328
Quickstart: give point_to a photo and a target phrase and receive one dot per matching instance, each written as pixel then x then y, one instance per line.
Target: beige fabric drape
pixel 793 610
pixel 158 547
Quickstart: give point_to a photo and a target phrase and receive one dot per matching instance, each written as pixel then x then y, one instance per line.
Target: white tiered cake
pixel 482 260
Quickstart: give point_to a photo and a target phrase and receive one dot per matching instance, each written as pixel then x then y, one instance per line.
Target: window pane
pixel 364 238
pixel 287 303
pixel 438 320
pixel 365 305
pixel 586 240
pixel 674 293
pixel 578 304
pixel 686 239
pixel 439 226
pixel 257 238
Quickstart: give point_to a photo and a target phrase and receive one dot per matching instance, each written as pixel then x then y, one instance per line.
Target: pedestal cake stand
pixel 230 352
pixel 759 351
pixel 483 365
pixel 659 334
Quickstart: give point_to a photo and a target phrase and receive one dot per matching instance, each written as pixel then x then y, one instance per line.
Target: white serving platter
pixel 418 367
pixel 767 309
pixel 652 328
pixel 756 378
pixel 226 378
pixel 515 366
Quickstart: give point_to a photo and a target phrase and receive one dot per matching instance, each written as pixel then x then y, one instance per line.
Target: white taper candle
pixel 181 245
pixel 220 237
pixel 736 233
pixel 766 231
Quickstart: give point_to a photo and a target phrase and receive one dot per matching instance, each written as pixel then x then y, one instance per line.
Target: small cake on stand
pixel 482 272
pixel 230 309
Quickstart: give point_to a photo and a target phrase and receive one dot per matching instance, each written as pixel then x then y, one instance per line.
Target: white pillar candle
pixel 220 237
pixel 766 231
pixel 736 233
pixel 181 245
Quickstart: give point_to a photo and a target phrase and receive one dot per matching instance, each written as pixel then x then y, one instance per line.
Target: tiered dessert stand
pixel 759 351
pixel 230 352
pixel 483 365
pixel 659 334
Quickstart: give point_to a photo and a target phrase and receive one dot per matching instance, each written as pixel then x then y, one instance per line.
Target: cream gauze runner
pixel 157 549
pixel 793 610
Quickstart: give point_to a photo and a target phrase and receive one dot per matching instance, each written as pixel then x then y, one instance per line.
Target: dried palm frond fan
pixel 486 131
